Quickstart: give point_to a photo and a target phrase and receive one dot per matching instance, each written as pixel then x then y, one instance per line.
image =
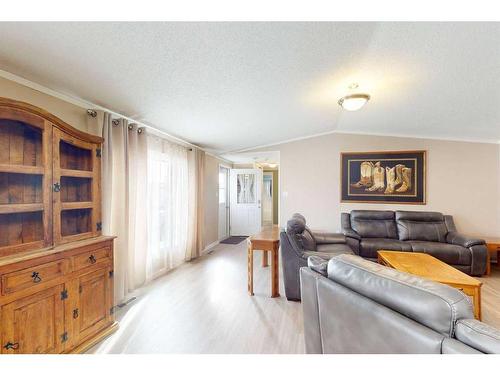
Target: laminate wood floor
pixel 203 307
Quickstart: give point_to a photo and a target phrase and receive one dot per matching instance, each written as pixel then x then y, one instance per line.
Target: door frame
pixel 228 203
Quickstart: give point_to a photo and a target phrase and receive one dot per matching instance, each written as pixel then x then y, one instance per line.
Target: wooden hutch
pixel 56 269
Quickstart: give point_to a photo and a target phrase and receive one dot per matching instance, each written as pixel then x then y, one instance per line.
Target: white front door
pixel 246 187
pixel 223 202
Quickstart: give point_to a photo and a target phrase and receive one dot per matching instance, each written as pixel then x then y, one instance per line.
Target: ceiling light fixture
pixel 354 102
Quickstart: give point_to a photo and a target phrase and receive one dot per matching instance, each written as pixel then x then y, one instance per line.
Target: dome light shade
pixel 354 102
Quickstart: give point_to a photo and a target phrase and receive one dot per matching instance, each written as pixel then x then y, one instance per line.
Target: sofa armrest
pixel 328 238
pixel 456 238
pixel 351 234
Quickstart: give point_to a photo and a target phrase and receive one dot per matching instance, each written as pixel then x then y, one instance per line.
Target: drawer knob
pixel 36 277
pixel 13 346
pixel 92 259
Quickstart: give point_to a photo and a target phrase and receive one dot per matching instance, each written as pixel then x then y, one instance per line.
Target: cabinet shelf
pixel 22 169
pixel 76 205
pixel 18 208
pixel 77 173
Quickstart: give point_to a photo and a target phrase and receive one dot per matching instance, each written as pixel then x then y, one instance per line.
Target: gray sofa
pixel 352 305
pixel 298 243
pixel 426 232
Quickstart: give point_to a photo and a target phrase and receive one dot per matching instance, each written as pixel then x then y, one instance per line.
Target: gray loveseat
pixel 425 232
pixel 352 305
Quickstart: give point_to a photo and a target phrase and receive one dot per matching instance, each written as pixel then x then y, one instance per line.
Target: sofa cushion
pixel 478 335
pixel 448 253
pixel 432 304
pixel 334 248
pixel 368 247
pixel 421 226
pixel 374 224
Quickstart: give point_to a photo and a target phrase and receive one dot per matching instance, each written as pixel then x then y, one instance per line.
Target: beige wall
pixel 462 180
pixel 70 113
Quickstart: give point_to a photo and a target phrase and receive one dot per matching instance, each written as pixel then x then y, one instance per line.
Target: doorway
pixel 223 202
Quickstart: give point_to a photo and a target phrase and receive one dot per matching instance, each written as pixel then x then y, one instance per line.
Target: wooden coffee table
pixel 426 266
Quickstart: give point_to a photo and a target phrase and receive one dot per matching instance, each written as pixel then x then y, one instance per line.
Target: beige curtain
pixel 196 167
pixel 124 192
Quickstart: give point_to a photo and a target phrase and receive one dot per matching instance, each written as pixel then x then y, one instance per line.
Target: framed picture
pixel 383 177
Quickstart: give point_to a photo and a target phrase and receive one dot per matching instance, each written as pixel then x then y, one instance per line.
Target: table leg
pixel 250 268
pixel 488 263
pixel 265 259
pixel 275 282
pixel 477 303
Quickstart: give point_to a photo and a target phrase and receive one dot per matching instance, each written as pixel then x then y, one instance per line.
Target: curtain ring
pixel 115 122
pixel 91 113
pixel 140 130
pixel 131 126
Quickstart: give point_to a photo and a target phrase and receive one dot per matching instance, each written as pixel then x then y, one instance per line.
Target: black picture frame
pixel 403 174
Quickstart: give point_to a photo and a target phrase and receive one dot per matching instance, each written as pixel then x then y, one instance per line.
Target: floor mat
pixel 234 240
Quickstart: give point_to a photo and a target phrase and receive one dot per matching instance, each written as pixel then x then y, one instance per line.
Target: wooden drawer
pixel 91 258
pixel 32 276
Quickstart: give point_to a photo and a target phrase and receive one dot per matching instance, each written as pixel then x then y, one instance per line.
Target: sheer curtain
pixel 167 203
pixel 145 204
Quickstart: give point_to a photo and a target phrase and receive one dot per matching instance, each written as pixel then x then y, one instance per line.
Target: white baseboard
pixel 207 249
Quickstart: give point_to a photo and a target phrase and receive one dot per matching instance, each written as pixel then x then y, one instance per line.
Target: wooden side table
pixel 493 246
pixel 267 240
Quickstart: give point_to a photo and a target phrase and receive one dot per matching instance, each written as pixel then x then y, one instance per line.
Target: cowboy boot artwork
pixel 391 180
pixel 399 174
pixel 378 178
pixel 406 181
pixel 366 179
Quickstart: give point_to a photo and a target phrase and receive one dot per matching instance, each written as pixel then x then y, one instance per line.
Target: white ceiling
pixel 232 86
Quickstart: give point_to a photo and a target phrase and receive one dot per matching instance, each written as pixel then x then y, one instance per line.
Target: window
pixel 168 204
pixel 246 188
pixel 222 185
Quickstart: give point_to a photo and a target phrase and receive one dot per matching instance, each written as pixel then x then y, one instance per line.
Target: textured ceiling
pixel 231 86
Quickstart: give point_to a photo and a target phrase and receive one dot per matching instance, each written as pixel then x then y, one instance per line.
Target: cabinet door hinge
pixel 80 289
pixel 64 337
pixel 98 226
pixel 112 310
pixel 98 152
pixel 64 294
pixel 111 274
